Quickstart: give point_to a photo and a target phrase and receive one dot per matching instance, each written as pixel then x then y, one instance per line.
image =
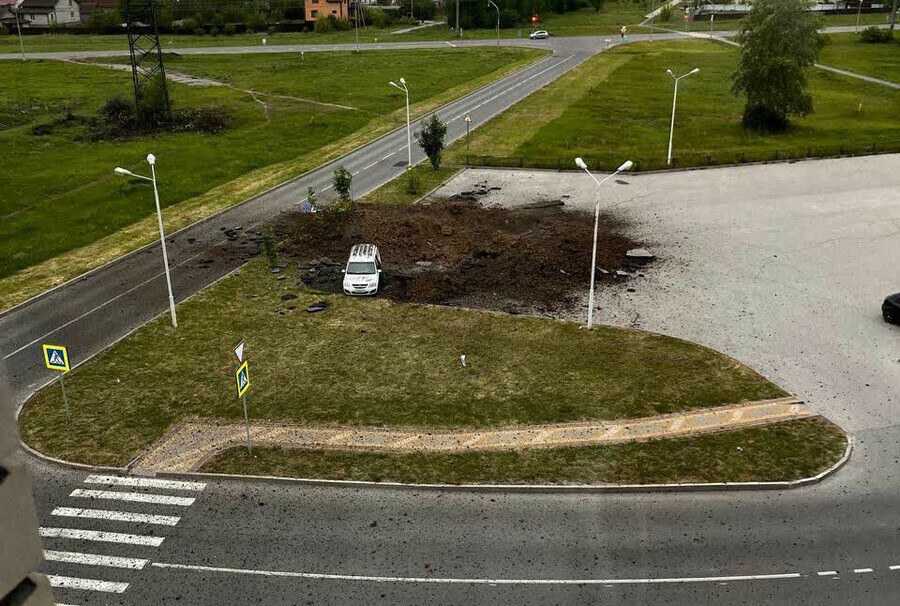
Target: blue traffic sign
pixel 56 357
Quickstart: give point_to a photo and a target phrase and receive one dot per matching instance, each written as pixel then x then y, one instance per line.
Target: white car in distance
pixel 540 34
pixel 362 276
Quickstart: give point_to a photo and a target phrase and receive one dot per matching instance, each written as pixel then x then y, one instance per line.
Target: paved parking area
pixel 783 266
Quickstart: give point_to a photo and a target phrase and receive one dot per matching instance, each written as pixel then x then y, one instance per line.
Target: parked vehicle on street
pixel 890 309
pixel 540 34
pixel 362 276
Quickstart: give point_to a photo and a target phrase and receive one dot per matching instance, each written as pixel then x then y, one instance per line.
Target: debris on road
pixel 639 254
pixel 317 306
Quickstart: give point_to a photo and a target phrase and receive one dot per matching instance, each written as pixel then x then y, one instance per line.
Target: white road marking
pixel 893 567
pixel 369 166
pixel 86 584
pixel 826 573
pixel 96 535
pixel 92 559
pixel 117 516
pixel 861 570
pixel 389 155
pixel 462 581
pixel 137 497
pixel 451 44
pixel 145 482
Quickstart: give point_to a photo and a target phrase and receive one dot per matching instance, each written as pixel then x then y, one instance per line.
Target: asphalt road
pixel 244 542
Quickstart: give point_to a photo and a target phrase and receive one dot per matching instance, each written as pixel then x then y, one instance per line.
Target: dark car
pixel 890 309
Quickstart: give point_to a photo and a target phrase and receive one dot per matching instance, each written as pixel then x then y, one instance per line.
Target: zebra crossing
pixel 107 529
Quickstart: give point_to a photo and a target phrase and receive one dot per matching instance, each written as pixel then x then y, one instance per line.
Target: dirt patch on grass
pixel 457 252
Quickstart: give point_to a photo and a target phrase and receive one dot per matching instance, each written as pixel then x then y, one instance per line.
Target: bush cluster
pixel 876 35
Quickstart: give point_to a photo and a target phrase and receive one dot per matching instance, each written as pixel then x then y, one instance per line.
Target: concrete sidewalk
pixel 187 446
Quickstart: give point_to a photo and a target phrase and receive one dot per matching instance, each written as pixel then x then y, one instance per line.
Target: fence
pixel 612 161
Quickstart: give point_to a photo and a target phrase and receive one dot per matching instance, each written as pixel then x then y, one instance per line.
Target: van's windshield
pixel 361 267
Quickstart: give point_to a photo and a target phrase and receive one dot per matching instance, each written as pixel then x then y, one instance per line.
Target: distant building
pixel 43 13
pixel 322 8
pixel 89 6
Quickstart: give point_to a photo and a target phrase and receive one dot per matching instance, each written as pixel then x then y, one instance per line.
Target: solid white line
pixel 117 516
pixel 96 535
pixel 380 579
pixel 92 559
pixel 827 573
pixel 86 584
pixel 137 497
pixel 861 570
pixel 893 567
pixel 145 482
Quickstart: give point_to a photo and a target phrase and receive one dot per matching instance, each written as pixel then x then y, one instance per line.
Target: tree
pixel 342 180
pixel 779 42
pixel 431 140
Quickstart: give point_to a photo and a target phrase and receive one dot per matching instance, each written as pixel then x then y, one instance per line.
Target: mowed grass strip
pixel 845 51
pixel 785 451
pixel 64 211
pixel 369 363
pixel 625 103
pixel 396 191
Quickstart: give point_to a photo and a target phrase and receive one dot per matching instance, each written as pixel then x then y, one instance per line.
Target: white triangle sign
pixel 56 359
pixel 467 118
pixel 239 351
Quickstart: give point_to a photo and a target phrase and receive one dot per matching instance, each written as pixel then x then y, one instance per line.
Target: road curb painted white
pixel 530 488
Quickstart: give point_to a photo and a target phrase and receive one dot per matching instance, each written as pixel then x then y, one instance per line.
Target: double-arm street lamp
pixel 674 99
pixel 402 86
pixel 151 159
pixel 580 163
pixel 490 3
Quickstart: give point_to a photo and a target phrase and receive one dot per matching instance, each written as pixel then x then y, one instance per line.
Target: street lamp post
pixel 151 160
pixel 405 89
pixel 19 29
pixel 490 3
pixel 580 164
pixel 674 99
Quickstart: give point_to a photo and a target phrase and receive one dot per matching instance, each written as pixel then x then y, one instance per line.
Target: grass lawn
pixel 723 25
pixel 845 51
pixel 396 190
pixel 572 116
pixel 371 363
pixel 61 194
pixel 781 452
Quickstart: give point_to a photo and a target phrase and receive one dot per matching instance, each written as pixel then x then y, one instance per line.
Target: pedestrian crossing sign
pixel 242 378
pixel 56 357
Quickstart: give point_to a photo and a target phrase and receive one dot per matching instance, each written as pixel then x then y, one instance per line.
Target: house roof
pixel 39 4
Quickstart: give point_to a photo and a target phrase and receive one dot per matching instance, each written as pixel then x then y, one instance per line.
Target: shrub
pixel 323 25
pixel 875 35
pixel 233 15
pixel 431 140
pixel 164 19
pixel 340 25
pixel 666 13
pixel 229 29
pixel 269 246
pixel 105 18
pixel 412 183
pixel 759 117
pixel 376 17
pixel 187 26
pixel 256 22
pixel 509 18
pixel 118 111
pixel 342 181
pixel 214 31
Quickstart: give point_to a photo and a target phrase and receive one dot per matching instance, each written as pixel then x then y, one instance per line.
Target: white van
pixel 362 276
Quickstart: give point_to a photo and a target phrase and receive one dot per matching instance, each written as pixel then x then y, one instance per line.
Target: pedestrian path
pixel 187 446
pixel 93 544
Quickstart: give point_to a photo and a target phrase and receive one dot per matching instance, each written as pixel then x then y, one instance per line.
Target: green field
pixel 781 452
pixel 61 194
pixel 618 106
pixel 369 363
pixel 845 51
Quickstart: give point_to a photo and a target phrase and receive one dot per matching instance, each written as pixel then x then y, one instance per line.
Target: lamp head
pixel 695 70
pixel 121 171
pixel 402 81
pixel 151 159
pixel 668 71
pixel 628 164
pixel 580 164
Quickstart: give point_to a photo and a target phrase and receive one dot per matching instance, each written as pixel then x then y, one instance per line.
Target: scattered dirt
pixel 534 258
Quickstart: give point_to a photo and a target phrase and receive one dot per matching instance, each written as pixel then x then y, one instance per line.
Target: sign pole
pixel 62 384
pixel 247 426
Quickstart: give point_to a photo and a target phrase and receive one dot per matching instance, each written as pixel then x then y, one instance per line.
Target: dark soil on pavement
pixel 457 252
